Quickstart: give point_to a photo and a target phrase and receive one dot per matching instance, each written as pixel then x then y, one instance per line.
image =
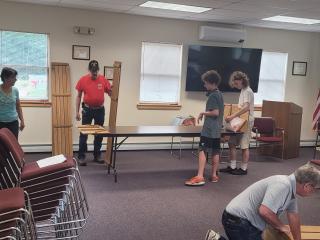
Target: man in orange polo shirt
pixel 92 86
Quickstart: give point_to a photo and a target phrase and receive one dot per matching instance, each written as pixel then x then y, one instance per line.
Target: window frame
pixel 36 102
pixel 149 105
pixel 258 106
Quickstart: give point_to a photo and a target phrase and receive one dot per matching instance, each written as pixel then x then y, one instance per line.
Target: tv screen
pixel 225 60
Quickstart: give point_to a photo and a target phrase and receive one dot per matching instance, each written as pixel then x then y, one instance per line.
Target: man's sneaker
pixel 215 179
pixel 195 181
pixel 227 170
pixel 82 162
pixel 212 235
pixel 239 171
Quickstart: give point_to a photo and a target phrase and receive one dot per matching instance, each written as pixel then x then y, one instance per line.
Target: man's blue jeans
pixel 239 229
pixel 89 114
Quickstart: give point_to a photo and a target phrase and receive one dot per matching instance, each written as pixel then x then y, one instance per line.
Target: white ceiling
pixel 244 12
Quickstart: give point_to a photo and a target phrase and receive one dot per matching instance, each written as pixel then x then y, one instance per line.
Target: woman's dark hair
pixel 7 73
pixel 212 77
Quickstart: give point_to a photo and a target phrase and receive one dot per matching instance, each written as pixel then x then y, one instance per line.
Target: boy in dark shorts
pixel 210 134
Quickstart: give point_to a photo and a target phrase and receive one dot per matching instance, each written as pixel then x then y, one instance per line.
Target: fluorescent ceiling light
pixel 174 7
pixel 286 19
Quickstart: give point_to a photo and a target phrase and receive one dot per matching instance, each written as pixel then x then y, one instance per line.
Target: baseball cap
pixel 93 65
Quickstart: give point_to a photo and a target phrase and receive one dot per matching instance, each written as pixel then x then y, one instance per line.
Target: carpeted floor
pixel 150 201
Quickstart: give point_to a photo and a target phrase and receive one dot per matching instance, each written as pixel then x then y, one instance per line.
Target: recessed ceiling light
pixel 287 19
pixel 174 7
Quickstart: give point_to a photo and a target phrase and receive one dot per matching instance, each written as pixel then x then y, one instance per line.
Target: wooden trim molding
pixel 258 107
pixel 158 106
pixel 40 103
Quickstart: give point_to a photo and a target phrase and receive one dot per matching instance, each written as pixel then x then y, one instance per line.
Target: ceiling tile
pixel 289 4
pixel 246 12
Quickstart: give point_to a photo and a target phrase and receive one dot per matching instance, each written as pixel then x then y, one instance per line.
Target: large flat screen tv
pixel 225 60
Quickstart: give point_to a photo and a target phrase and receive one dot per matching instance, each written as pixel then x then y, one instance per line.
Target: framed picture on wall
pixel 299 68
pixel 108 72
pixel 80 52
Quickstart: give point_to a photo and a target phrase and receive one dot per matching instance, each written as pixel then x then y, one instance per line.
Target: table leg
pixel 111 155
pixel 114 159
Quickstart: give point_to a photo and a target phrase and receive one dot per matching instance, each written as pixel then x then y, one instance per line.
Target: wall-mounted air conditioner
pixel 222 34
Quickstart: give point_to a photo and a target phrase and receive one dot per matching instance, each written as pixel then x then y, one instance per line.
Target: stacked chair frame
pixel 16 218
pixel 56 192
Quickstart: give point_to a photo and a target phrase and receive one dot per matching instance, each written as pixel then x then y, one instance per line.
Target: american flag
pixel 316 113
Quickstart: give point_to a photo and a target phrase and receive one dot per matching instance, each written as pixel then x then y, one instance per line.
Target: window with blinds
pixel 28 54
pixel 273 71
pixel 160 73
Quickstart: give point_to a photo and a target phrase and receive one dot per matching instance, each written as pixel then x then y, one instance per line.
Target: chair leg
pixel 180 148
pixel 192 146
pixel 283 145
pixel 315 146
pixel 171 147
pixel 256 151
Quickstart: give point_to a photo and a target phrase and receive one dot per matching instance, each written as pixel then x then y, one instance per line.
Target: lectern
pixel 288 116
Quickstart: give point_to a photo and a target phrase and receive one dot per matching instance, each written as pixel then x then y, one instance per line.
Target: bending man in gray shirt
pixel 247 215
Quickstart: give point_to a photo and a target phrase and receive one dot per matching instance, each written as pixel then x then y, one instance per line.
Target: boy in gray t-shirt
pixel 211 130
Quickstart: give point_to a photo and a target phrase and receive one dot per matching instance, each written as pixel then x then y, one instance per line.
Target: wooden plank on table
pixel 90 126
pixel 313 229
pixel 310 236
pixel 113 106
pixel 94 131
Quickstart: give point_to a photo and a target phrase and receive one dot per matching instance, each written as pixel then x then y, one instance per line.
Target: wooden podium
pixel 288 116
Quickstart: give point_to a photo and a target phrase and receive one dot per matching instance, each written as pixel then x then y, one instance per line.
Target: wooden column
pixel 61 109
pixel 113 106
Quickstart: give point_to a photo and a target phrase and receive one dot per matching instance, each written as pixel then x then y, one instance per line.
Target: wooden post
pixel 113 106
pixel 61 109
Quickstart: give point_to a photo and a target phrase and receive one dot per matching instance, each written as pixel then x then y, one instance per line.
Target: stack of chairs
pixel 16 219
pixel 58 200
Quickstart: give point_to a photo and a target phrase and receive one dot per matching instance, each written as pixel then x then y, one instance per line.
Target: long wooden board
pixel 61 109
pixel 307 233
pixel 113 106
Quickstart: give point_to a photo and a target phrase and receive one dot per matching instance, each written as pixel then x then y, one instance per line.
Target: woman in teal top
pixel 10 107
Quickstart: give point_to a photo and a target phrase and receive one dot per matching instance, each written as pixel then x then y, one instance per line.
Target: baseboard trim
pixel 139 146
pixel 123 147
